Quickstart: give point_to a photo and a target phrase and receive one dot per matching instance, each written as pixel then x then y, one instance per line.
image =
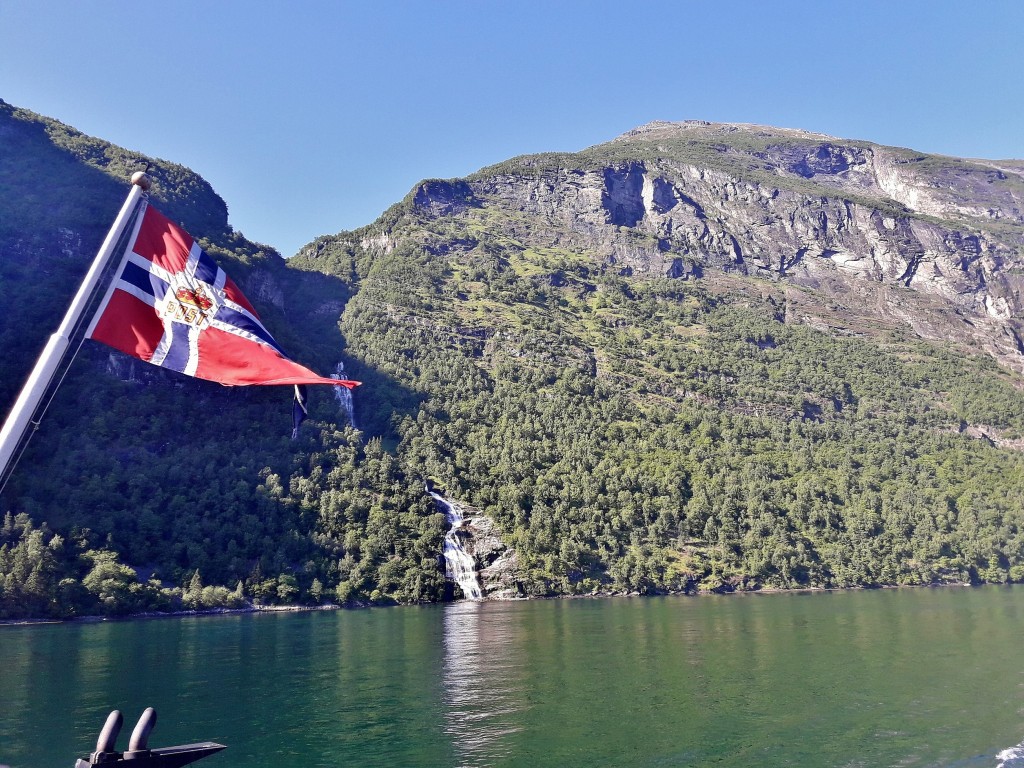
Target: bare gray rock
pixel 497 564
pixel 847 217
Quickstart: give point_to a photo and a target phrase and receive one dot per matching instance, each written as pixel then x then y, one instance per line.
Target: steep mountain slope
pixel 188 482
pixel 708 355
pixel 819 212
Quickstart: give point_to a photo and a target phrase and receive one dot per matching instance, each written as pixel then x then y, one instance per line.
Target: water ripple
pixel 483 692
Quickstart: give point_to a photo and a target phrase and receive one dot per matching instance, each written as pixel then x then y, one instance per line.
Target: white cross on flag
pixel 171 305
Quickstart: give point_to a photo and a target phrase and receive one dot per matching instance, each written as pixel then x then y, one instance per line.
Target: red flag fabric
pixel 171 305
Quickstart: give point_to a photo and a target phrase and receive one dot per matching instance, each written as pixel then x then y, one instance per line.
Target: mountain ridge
pixel 670 126
pixel 869 211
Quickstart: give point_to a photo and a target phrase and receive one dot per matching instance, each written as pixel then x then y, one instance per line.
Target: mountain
pixel 840 217
pixel 697 357
pixel 708 356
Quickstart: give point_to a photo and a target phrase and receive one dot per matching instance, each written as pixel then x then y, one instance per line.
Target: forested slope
pixel 144 489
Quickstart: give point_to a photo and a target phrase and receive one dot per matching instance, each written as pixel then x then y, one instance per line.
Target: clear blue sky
pixel 312 116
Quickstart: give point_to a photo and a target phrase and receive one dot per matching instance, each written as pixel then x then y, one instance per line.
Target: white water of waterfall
pixel 344 396
pixel 459 564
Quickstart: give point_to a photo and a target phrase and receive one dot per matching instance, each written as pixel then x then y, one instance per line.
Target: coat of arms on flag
pixel 171 305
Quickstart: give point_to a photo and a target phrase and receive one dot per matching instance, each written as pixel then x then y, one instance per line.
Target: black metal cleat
pixel 138 754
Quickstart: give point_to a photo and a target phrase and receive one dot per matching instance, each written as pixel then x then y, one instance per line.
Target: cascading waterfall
pixel 344 395
pixel 459 565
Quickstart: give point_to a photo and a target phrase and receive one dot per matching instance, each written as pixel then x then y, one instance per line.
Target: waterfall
pixel 344 396
pixel 459 564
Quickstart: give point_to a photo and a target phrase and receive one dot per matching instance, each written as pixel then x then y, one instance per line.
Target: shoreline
pixel 360 606
pixel 181 614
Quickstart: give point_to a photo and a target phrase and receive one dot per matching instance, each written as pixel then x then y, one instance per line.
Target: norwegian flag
pixel 171 305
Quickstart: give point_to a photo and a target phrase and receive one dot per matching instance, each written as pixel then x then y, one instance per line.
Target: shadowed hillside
pixel 144 489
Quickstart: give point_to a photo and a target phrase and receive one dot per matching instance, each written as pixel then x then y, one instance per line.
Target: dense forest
pixel 626 432
pixel 653 435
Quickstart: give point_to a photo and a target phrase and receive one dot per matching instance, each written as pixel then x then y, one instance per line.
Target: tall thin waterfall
pixel 459 564
pixel 344 395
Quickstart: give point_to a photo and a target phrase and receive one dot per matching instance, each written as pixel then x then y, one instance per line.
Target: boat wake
pixel 1012 757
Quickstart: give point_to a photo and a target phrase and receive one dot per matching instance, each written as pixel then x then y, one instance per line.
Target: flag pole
pixel 46 366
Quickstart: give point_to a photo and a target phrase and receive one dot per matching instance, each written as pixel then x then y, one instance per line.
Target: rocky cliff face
pixel 497 564
pixel 934 242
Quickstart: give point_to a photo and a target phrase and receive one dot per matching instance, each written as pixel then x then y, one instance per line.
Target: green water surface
pixel 922 677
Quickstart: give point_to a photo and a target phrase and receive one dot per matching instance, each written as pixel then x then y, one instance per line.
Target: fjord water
pixel 916 677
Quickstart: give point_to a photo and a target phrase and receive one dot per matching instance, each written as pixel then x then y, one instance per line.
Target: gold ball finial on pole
pixel 140 179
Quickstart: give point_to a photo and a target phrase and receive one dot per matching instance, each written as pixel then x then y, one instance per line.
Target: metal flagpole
pixel 35 387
